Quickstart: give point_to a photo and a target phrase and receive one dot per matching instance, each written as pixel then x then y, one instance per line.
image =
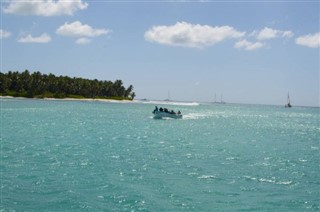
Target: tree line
pixel 38 85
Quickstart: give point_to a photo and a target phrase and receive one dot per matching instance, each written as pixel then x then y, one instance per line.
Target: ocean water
pixel 98 156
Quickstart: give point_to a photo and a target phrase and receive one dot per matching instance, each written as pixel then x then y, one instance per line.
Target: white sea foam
pixel 192 173
pixel 284 182
pixel 272 180
pixel 207 177
pixel 250 178
pixel 168 103
pixel 263 180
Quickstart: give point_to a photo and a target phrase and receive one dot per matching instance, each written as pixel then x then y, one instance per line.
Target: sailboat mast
pixel 288 101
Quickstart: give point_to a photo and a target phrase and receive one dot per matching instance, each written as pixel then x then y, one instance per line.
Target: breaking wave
pixel 168 103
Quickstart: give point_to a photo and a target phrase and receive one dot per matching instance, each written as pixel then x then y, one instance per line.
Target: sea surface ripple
pixel 99 156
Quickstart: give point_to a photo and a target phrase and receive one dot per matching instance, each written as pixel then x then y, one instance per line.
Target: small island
pixel 38 85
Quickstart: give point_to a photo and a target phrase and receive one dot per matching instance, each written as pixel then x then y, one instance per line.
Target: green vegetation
pixel 37 85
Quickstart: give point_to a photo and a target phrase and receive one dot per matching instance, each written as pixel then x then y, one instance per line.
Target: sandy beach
pixel 72 99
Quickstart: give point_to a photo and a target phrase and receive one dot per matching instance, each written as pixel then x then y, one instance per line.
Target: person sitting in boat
pixel 166 110
pixel 155 109
pixel 172 112
pixel 179 112
pixel 161 109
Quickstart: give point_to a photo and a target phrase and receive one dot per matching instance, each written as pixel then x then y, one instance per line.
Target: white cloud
pixel 191 35
pixel 4 34
pixel 310 40
pixel 45 7
pixel 287 34
pixel 77 29
pixel 44 38
pixel 83 41
pixel 248 45
pixel 268 33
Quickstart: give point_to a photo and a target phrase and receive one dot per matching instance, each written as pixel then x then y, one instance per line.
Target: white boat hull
pixel 160 115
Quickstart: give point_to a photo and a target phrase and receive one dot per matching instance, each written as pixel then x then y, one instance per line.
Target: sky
pixel 246 51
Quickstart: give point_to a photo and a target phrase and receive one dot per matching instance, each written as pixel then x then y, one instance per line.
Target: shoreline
pixel 72 99
pixel 155 102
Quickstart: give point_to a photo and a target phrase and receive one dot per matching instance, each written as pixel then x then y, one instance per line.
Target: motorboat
pixel 165 113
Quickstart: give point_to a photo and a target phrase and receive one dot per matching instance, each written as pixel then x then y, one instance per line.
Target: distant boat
pixel 168 99
pixel 288 101
pixel 215 100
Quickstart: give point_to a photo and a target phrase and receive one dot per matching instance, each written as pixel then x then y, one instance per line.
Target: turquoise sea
pixel 99 156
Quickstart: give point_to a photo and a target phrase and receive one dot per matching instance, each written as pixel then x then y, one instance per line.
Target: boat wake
pixel 196 116
pixel 188 116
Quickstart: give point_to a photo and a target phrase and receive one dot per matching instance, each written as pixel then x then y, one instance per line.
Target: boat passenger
pixel 156 109
pixel 161 109
pixel 172 112
pixel 166 110
pixel 179 112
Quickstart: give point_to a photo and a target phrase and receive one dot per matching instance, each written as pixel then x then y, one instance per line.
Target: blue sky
pixel 249 51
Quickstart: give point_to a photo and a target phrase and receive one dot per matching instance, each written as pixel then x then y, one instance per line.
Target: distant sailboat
pixel 221 102
pixel 169 98
pixel 288 102
pixel 215 100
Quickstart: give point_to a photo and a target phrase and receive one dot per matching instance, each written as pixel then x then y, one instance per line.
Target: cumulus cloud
pixel 248 45
pixel 191 35
pixel 268 33
pixel 77 29
pixel 44 38
pixel 83 41
pixel 4 34
pixel 310 40
pixel 44 7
